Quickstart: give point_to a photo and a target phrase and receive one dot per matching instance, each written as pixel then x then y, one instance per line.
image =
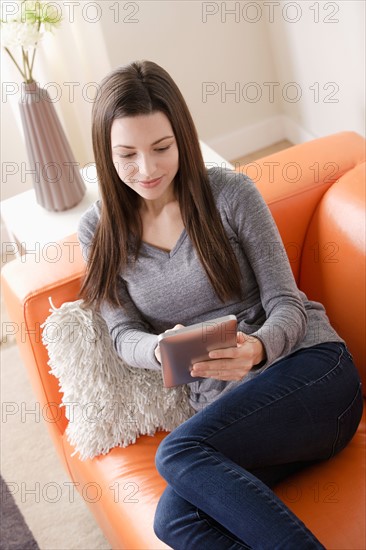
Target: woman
pixel 171 243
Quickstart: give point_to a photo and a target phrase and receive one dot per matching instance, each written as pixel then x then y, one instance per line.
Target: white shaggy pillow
pixel 108 404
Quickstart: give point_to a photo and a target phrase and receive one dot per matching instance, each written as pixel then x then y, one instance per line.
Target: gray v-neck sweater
pixel 163 288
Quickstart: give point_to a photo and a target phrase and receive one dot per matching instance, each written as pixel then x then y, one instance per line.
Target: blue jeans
pixel 220 464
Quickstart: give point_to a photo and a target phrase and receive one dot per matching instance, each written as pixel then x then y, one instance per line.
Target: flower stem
pixel 34 50
pixel 16 64
pixel 25 65
pixel 33 56
pixel 27 69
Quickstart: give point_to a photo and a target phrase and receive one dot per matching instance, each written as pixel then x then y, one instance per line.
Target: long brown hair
pixel 141 88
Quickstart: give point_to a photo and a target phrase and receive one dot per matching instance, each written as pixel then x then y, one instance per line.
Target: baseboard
pixel 294 132
pixel 249 139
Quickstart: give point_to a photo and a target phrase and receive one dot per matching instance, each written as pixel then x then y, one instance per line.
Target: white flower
pixel 41 12
pixel 31 11
pixel 51 17
pixel 15 34
pixel 34 17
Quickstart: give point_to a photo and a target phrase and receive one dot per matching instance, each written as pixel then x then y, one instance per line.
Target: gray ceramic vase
pixel 56 175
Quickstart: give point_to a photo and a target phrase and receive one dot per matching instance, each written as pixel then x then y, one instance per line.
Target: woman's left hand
pixel 232 363
pixel 157 349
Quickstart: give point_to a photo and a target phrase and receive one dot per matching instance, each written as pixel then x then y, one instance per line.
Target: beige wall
pixel 195 47
pixel 202 52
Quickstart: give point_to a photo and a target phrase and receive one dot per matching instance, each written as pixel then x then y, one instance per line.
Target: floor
pixel 262 152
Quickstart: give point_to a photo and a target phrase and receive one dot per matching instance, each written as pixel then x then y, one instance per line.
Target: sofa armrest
pixel 49 267
pixel 27 283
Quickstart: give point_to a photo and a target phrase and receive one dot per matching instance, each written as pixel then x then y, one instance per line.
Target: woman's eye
pixel 126 156
pixel 158 150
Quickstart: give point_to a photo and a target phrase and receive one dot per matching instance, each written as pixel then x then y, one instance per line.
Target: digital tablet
pixel 181 348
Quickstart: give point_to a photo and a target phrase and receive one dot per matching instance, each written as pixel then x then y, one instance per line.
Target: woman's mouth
pixel 150 183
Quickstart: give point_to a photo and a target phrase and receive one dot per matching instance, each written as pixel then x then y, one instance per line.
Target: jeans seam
pixel 340 416
pixel 277 399
pixel 221 532
pixel 329 372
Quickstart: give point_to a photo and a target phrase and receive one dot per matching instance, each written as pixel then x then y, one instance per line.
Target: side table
pixel 32 229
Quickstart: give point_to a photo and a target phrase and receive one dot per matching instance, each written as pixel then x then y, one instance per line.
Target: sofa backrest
pixel 28 284
pixel 293 181
pixel 333 262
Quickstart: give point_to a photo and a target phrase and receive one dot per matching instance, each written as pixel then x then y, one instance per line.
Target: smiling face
pixel 145 154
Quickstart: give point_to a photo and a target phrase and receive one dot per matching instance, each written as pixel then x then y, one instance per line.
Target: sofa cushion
pixel 330 497
pixel 122 490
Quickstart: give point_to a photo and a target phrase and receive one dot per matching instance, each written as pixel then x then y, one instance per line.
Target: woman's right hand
pixel 157 349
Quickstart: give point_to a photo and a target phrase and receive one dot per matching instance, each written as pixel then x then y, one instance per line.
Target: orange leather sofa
pixel 316 192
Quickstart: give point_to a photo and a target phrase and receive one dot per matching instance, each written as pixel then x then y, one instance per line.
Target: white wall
pixel 324 54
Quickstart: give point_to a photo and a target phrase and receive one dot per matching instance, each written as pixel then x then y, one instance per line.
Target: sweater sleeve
pixel 285 316
pixel 131 335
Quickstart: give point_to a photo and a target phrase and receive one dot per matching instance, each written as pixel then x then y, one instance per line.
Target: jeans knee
pixel 166 514
pixel 160 526
pixel 160 458
pixel 177 450
pixel 165 454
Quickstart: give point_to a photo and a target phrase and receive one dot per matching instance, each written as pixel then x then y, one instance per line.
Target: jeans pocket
pixel 348 422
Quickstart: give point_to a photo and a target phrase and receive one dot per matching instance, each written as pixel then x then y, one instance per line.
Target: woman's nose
pixel 147 167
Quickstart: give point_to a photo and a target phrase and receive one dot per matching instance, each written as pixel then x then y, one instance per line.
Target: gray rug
pixel 14 532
